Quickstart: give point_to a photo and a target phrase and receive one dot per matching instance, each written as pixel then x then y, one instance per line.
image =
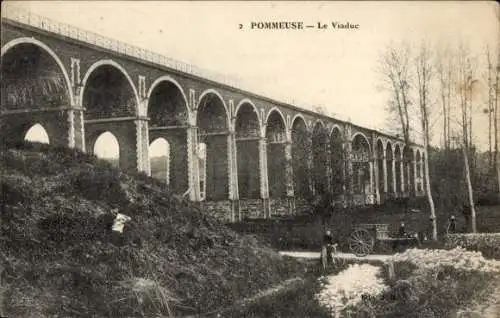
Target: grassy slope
pixel 60 257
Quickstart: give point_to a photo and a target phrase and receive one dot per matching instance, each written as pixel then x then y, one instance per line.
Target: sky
pixel 332 68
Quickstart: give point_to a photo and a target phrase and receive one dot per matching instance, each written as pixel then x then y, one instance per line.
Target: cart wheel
pixel 361 242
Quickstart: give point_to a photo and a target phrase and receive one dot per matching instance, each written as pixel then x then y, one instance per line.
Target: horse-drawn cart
pixel 366 237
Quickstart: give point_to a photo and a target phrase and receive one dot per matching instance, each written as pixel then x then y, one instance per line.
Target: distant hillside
pixel 159 167
pixel 60 258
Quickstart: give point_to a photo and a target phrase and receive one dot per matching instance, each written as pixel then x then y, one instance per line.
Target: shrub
pixel 486 243
pixel 99 185
pixel 62 259
pixel 427 292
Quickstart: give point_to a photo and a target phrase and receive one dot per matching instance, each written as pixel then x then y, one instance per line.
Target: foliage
pixel 61 258
pixel 431 284
pixel 486 243
pixel 296 302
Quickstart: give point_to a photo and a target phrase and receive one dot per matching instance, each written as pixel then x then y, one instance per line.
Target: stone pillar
pixel 402 169
pixel 289 176
pixel 76 134
pixel 371 198
pixel 310 164
pixel 384 167
pixel 414 164
pixel 328 167
pixel 394 176
pixel 264 186
pixel 377 179
pixel 349 173
pixel 233 177
pixel 193 167
pixel 142 144
pixel 422 174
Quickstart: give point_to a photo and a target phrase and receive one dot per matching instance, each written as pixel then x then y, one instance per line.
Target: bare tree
pixel 444 72
pixel 495 123
pixel 424 71
pixel 490 108
pixel 465 84
pixel 394 67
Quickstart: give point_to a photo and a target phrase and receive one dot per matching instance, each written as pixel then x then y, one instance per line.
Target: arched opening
pixel 320 158
pixel 37 134
pixel 32 79
pixel 167 106
pixel 337 162
pixel 202 166
pixel 389 158
pixel 380 166
pixel 397 155
pixel 301 147
pixel 167 110
pixel 361 167
pixel 276 138
pixel 213 134
pixel 247 149
pixel 159 159
pixel 107 147
pixel 107 93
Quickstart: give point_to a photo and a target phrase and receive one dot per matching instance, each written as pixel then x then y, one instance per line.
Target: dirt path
pixel 279 288
pixel 347 256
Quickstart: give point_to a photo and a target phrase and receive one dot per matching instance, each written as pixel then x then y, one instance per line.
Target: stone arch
pixel 114 67
pixel 47 49
pixel 299 116
pixel 276 139
pixel 247 101
pixel 37 133
pixel 179 96
pixel 361 155
pixel 336 129
pixel 273 111
pixel 168 110
pixel 247 129
pixel 212 92
pixel 34 78
pixel 160 159
pixel 337 160
pixel 320 122
pixel 358 135
pixel 301 147
pixel 212 120
pixel 320 157
pixel 105 151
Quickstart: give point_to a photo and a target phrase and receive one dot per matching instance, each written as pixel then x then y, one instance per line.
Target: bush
pixel 426 292
pixel 295 302
pixel 60 257
pixel 486 243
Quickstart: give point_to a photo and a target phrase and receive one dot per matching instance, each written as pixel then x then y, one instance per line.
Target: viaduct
pixel 240 154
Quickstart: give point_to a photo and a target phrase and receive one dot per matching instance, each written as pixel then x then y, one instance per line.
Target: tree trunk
pixel 428 189
pixel 495 127
pixel 469 188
